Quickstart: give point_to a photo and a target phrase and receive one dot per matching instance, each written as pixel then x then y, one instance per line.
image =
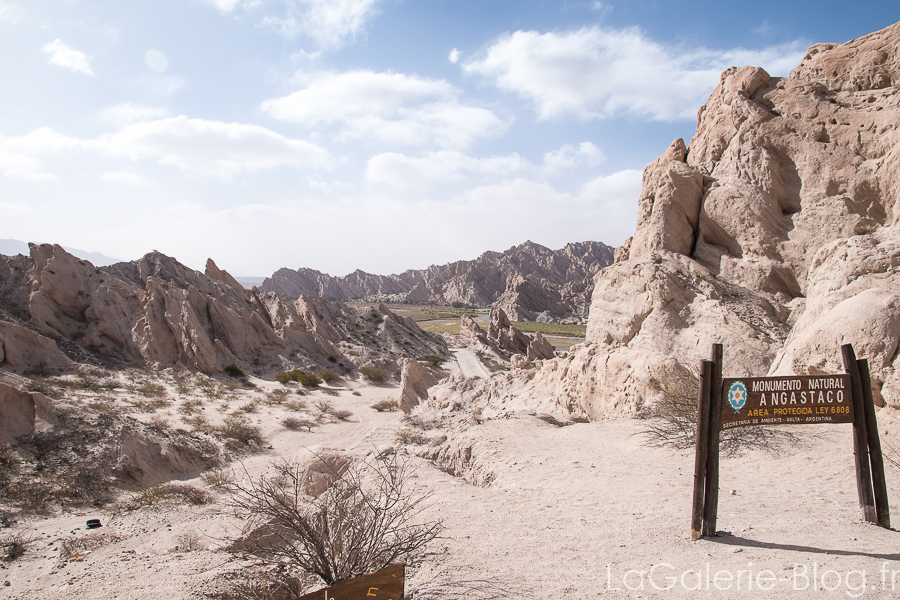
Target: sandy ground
pixel 582 511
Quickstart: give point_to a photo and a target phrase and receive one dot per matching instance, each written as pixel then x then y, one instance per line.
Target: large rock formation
pixel 160 312
pixel 414 384
pixel 774 233
pixel 528 281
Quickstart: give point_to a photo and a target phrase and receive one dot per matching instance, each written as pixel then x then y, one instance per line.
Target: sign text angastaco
pixel 786 400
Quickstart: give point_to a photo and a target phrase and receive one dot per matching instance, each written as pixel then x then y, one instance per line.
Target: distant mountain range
pixel 529 281
pixel 13 247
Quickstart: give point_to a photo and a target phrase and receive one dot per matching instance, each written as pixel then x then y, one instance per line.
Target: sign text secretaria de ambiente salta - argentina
pixel 786 400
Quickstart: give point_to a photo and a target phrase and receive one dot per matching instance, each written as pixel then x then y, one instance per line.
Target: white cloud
pixel 328 22
pixel 211 148
pixel 64 56
pixel 600 72
pixel 127 113
pixel 20 157
pixel 437 168
pixel 223 5
pixel 10 13
pixel 126 178
pixel 392 107
pixel 454 56
pixel 569 156
pixel 195 147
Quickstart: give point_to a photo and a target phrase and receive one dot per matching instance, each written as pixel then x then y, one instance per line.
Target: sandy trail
pixel 469 364
pixel 577 512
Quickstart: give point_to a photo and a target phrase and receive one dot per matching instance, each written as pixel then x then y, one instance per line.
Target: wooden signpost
pixel 386 584
pixel 762 401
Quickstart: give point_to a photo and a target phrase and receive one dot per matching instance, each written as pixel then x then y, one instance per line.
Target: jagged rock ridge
pixel 529 281
pixel 157 311
pixel 775 233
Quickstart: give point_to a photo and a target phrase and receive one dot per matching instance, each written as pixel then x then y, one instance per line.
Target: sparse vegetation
pixel 411 436
pixel 304 378
pixel 864 229
pixel 235 371
pixel 329 376
pixel 14 545
pixel 239 433
pixel 218 478
pixel 364 519
pixel 340 415
pixel 386 405
pixel 324 406
pixel 672 421
pixel 179 492
pixel 373 374
pixel 295 405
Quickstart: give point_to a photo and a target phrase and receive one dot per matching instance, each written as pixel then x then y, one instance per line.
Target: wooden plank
pixel 876 459
pixel 701 450
pixel 711 495
pixel 860 439
pixel 386 584
pixel 793 400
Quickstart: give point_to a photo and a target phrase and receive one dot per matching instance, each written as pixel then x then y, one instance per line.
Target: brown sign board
pixel 748 401
pixel 386 584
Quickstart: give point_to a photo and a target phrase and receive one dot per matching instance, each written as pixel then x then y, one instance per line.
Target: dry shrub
pixel 364 519
pixel 74 549
pixel 672 421
pixel 340 415
pixel 14 544
pixel 190 542
pixel 324 406
pixel 239 430
pixel 258 584
pixel 891 452
pixel 373 374
pixel 411 436
pixel 386 405
pixel 178 492
pixel 218 478
pixel 295 405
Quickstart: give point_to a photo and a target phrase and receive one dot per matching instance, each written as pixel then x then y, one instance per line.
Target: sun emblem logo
pixel 737 396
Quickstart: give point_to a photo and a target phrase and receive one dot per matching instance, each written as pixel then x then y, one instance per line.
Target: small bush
pixel 308 379
pixel 341 415
pixel 329 376
pixel 434 361
pixel 295 405
pixel 180 492
pixel 250 407
pixel 276 397
pixel 324 406
pixel 862 229
pixel 198 422
pixel 356 393
pixel 235 371
pixel 386 405
pixel 284 377
pixel 410 436
pixel 218 478
pixel 304 378
pixel 151 390
pixel 14 545
pixel 373 374
pixel 239 429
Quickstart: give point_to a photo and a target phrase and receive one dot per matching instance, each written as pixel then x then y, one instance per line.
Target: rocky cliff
pixel 529 281
pixel 55 307
pixel 775 233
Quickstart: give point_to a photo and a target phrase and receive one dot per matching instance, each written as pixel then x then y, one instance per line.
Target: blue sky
pixel 374 134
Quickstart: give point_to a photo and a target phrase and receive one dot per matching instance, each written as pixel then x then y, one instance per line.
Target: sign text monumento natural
pixel 786 400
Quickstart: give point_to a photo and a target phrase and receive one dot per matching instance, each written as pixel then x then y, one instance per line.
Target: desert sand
pixel 582 511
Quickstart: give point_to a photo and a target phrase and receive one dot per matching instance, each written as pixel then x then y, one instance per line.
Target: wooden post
pixel 711 497
pixel 876 459
pixel 702 448
pixel 860 438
